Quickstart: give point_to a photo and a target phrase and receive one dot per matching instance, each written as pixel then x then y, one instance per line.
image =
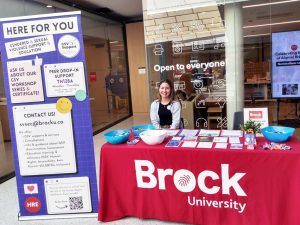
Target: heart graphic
pixel 30 188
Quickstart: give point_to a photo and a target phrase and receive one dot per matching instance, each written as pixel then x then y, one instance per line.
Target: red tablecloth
pixel 235 187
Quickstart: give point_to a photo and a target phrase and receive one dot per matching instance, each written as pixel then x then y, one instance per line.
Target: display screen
pixel 286 64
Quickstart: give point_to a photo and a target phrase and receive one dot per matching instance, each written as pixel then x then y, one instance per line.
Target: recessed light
pixel 49 6
pixel 269 3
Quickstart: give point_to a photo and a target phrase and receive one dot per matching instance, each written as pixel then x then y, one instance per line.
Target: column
pixel 234 60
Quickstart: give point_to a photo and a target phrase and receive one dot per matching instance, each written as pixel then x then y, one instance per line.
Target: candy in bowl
pixel 117 136
pixel 277 133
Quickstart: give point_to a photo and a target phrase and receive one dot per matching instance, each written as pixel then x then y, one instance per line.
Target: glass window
pixel 220 56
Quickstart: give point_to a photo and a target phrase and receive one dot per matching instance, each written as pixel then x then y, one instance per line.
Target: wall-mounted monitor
pixel 286 64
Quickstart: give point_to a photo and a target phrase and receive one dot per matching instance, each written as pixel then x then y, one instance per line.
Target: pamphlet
pixel 234 140
pixel 220 139
pixel 236 146
pixel 188 132
pixel 221 145
pixel 205 145
pixel 232 133
pixel 189 144
pixel 206 139
pixel 176 138
pixel 173 144
pixel 213 133
pixel 190 138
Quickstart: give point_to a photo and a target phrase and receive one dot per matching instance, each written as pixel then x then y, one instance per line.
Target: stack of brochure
pixel 207 139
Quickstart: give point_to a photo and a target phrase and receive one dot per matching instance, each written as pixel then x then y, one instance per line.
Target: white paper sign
pixel 25 82
pixel 205 145
pixel 64 79
pixel 68 195
pixel 44 139
pixel 221 145
pixel 259 115
pixel 40 27
pixel 30 46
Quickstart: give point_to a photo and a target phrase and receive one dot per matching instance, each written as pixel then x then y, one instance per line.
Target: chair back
pixel 181 124
pixel 238 119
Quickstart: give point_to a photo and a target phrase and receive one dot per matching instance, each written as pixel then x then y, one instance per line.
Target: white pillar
pixel 234 60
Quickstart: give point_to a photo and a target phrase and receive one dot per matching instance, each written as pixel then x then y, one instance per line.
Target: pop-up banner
pixel 49 115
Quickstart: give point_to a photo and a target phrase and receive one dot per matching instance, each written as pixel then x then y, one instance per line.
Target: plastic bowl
pixel 153 137
pixel 140 128
pixel 277 133
pixel 117 136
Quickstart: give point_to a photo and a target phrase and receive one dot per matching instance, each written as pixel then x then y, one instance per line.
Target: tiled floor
pixel 102 118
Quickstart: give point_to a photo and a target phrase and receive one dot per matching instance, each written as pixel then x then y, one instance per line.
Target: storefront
pixel 219 56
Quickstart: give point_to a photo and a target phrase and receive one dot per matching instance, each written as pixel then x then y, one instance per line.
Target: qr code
pixel 75 203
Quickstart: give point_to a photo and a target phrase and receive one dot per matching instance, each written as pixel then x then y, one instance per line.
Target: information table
pixel 201 186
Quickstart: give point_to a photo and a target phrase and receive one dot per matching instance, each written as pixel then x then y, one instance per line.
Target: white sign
pixel 68 195
pixel 64 79
pixel 40 27
pixel 30 46
pixel 44 139
pixel 25 82
pixel 259 115
pixel 68 46
pixel 285 64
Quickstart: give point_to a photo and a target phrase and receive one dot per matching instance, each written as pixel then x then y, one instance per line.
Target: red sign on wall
pixel 92 76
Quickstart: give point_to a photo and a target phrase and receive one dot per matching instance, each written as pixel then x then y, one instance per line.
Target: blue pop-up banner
pixel 49 115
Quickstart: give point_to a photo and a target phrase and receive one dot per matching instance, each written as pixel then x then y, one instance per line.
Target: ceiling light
pixel 49 6
pixel 254 35
pixel 272 24
pixel 269 3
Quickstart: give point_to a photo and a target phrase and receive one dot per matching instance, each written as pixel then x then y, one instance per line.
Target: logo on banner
pixel 68 46
pixel 186 181
pixel 294 47
pixel 31 189
pixel 32 204
pixel 255 115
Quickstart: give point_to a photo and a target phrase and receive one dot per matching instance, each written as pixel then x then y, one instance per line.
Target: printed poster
pixel 49 115
pixel 44 140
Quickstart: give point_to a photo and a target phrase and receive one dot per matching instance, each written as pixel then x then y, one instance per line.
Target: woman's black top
pixel 165 115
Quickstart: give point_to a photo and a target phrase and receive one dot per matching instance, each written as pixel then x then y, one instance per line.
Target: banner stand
pixel 49 115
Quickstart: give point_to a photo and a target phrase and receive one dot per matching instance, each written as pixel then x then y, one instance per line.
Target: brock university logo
pixel 186 181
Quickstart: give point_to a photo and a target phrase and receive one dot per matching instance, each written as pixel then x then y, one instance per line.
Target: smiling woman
pixel 165 111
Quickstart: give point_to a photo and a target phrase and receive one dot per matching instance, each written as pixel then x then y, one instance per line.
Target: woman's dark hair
pixel 170 83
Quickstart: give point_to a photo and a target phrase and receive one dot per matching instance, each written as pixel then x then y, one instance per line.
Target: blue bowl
pixel 277 133
pixel 117 136
pixel 140 128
